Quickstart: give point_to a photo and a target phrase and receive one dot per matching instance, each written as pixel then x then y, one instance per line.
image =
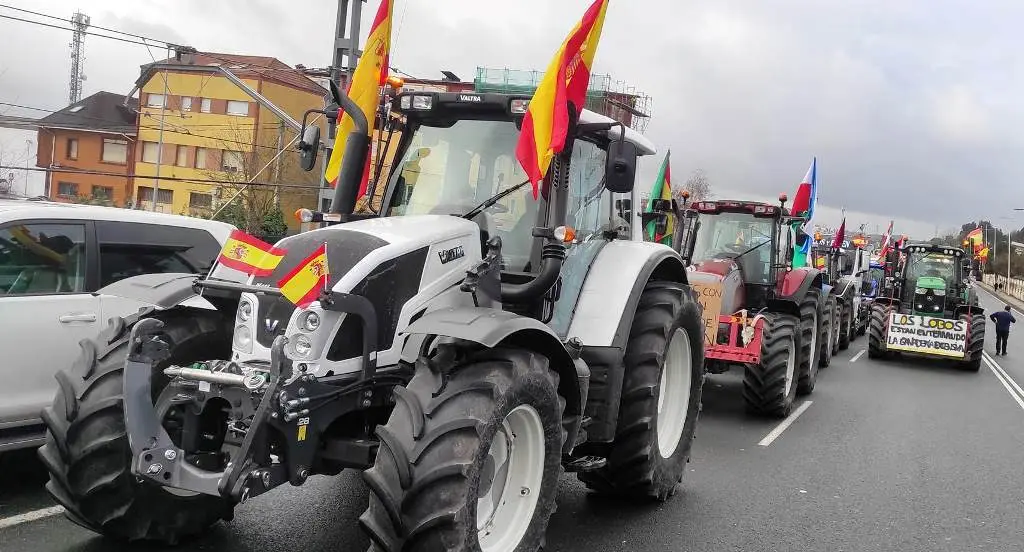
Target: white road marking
pixel 785 424
pixel 1011 386
pixel 30 516
pixel 858 355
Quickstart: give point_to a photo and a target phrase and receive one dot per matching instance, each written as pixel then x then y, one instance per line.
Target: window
pixel 42 259
pixel 67 189
pixel 105 193
pixel 200 201
pixel 181 156
pixel 186 103
pixel 115 151
pixel 238 108
pixel 150 152
pixel 128 249
pixel 204 105
pixel 155 100
pixel 72 148
pixel 163 195
pixel 200 158
pixel 589 201
pixel 231 161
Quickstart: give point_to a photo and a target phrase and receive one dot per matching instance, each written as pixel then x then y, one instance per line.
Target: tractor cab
pixel 931 280
pixel 742 240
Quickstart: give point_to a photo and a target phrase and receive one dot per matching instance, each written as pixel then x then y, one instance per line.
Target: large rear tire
pixel 845 325
pixel 811 338
pixel 455 444
pixel 975 342
pixel 876 332
pixel 769 388
pixel 660 397
pixel 87 452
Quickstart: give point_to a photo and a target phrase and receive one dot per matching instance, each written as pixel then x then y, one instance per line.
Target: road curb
pixel 1012 301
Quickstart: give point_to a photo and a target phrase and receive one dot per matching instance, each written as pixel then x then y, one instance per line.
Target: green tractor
pixel 928 308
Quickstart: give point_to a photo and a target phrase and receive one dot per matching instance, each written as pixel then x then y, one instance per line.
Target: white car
pixel 55 260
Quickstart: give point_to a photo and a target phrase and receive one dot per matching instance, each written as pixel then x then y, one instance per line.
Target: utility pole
pixel 159 144
pixel 79 22
pixel 343 63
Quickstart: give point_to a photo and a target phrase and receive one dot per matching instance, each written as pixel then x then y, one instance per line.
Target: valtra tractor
pixel 845 269
pixel 825 263
pixel 472 343
pixel 760 312
pixel 928 308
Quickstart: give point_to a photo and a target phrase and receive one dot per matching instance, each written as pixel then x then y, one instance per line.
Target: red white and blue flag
pixel 807 194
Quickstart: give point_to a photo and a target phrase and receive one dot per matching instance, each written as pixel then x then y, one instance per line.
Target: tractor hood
pixel 386 260
pixel 931 282
pixel 724 273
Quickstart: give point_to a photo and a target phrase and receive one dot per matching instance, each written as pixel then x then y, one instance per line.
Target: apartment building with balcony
pixel 201 137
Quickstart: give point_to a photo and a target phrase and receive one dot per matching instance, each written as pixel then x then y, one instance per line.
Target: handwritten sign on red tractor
pixel 710 296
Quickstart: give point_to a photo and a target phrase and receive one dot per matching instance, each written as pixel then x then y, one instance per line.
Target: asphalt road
pixel 897 455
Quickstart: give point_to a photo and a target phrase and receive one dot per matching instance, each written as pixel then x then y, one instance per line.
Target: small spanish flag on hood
pixel 250 255
pixel 303 285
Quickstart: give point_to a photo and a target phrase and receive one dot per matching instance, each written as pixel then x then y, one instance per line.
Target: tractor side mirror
pixel 620 169
pixel 309 146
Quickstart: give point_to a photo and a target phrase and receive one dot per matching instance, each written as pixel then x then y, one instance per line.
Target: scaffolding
pixel 613 98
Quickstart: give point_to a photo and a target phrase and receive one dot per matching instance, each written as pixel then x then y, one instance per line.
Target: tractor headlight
pixel 422 102
pixel 302 346
pixel 242 340
pixel 937 308
pixel 309 321
pixel 920 291
pixel 940 293
pixel 245 310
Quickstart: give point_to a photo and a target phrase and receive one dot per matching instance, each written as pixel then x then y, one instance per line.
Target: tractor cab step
pixel 585 464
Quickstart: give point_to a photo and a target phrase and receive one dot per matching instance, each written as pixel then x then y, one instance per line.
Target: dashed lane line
pixel 774 434
pixel 1011 386
pixel 30 516
pixel 858 355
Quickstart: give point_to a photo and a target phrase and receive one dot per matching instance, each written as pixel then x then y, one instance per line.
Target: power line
pixel 58 18
pixel 313 187
pixel 69 29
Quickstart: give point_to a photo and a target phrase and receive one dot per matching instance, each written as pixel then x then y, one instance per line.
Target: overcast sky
pixel 913 107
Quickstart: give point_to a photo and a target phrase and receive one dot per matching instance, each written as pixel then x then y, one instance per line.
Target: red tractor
pixel 760 311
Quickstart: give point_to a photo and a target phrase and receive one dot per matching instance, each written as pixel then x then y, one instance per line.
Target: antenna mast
pixel 80 22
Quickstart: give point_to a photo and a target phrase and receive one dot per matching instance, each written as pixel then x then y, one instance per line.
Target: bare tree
pixel 698 186
pixel 250 171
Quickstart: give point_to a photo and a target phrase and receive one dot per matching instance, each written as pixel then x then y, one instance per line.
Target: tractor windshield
pixel 931 264
pixel 452 169
pixel 727 235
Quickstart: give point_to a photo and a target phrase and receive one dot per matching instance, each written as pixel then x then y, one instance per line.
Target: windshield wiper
pixel 749 250
pixel 494 199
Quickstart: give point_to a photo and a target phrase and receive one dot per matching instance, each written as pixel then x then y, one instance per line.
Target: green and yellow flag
pixel 662 189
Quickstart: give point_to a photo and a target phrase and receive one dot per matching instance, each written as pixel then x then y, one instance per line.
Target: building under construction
pixel 605 95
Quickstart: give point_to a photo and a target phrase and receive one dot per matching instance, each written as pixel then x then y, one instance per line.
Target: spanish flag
pixel 371 73
pixel 302 286
pixel 565 81
pixel 250 255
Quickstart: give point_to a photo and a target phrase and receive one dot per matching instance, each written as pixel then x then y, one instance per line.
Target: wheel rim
pixel 674 393
pixel 790 367
pixel 511 480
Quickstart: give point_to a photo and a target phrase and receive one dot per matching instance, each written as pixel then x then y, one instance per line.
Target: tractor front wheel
pixel 87 452
pixel 876 332
pixel 845 325
pixel 975 341
pixel 769 388
pixel 471 456
pixel 827 325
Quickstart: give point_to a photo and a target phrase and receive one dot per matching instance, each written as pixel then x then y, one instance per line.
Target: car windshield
pixel 931 264
pixel 726 235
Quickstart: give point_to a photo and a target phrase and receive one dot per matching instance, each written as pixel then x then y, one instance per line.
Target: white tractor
pixel 472 344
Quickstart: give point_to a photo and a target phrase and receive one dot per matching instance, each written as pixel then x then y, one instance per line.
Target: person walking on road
pixel 1003 320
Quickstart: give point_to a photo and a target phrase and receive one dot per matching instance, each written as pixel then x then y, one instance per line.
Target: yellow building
pixel 216 137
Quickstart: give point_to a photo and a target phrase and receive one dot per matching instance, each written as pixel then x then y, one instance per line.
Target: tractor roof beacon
pixel 473 343
pixel 930 298
pixel 772 317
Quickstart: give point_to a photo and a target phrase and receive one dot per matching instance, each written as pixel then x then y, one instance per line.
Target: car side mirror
pixel 620 169
pixel 309 147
